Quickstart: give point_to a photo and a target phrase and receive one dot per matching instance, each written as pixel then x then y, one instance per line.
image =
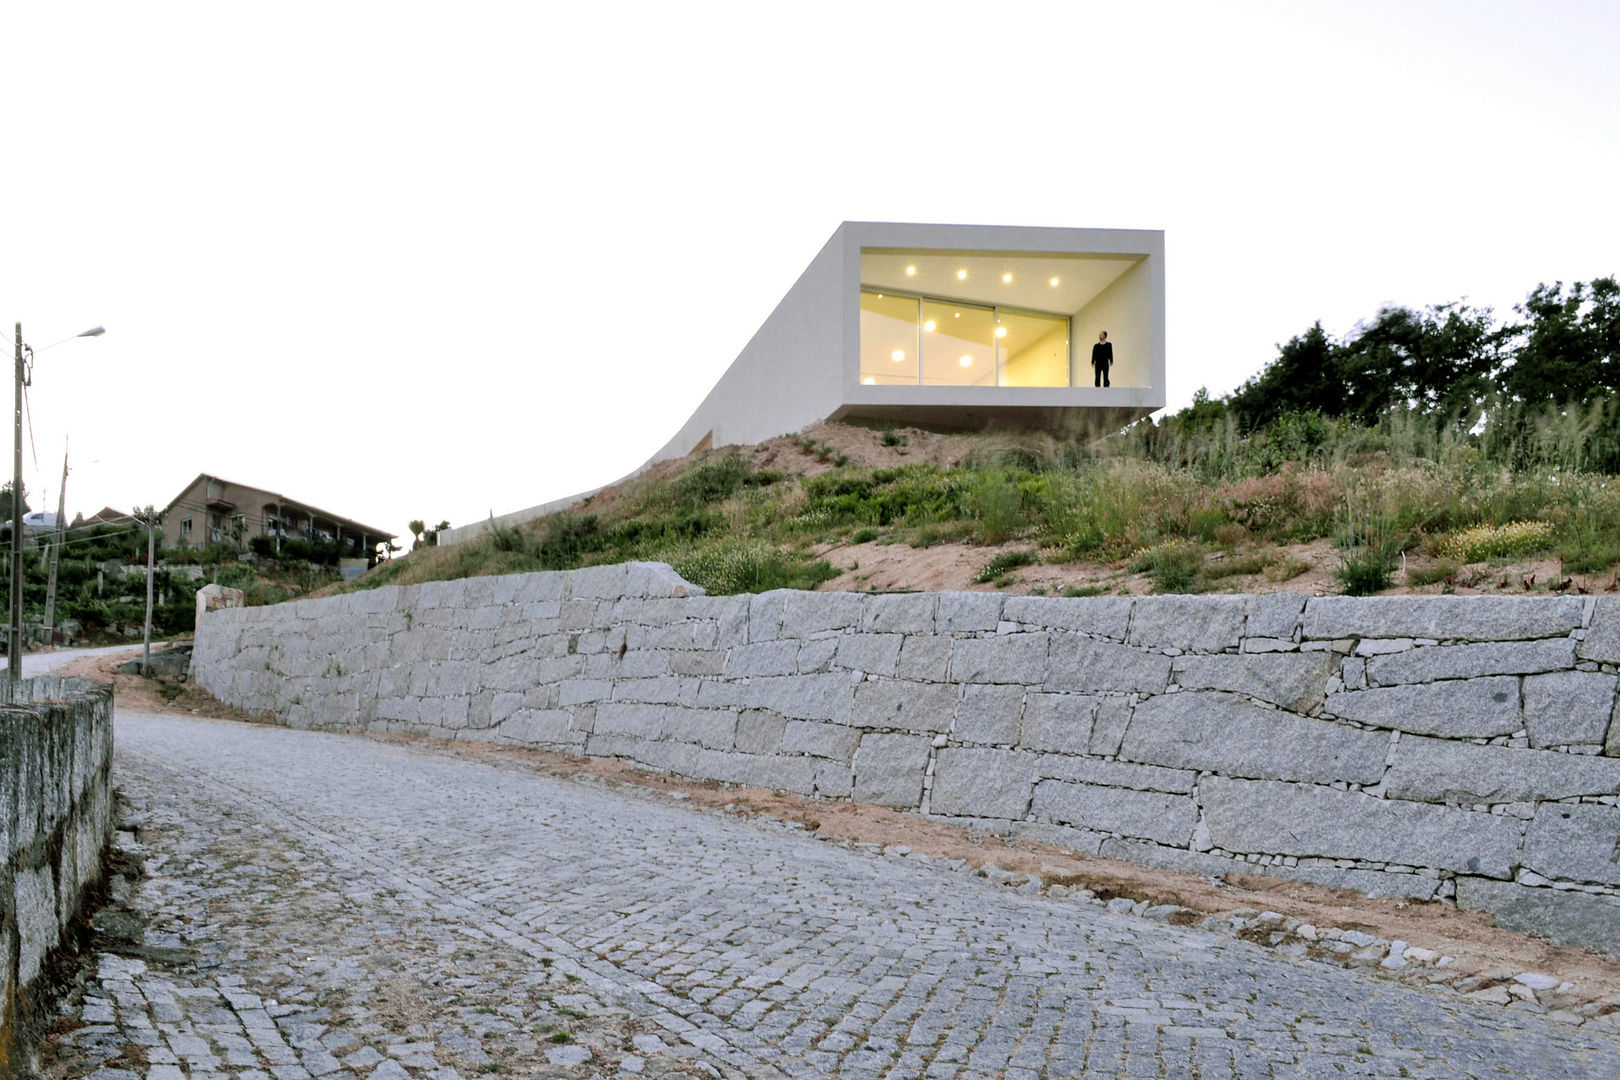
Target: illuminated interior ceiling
pixel 981 277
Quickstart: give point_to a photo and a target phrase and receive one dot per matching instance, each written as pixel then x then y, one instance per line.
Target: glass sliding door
pixel 1031 349
pixel 889 332
pixel 958 344
pixel 920 340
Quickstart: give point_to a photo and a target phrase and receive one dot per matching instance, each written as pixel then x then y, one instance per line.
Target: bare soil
pixel 889 566
pixel 161 694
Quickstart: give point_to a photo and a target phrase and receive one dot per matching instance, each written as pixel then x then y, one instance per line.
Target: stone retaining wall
pixel 1442 748
pixel 56 740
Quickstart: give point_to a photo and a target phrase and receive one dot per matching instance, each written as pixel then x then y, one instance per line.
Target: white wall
pixel 1125 310
pixel 787 376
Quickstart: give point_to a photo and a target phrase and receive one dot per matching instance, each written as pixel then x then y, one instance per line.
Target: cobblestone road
pixel 364 909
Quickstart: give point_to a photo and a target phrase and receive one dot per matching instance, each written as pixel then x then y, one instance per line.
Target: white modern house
pixel 956 326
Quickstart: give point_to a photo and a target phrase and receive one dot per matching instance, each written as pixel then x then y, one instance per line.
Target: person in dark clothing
pixel 1102 358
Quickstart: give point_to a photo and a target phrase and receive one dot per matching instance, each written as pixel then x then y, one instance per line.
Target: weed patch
pixel 1506 541
pixel 1174 566
pixel 999 566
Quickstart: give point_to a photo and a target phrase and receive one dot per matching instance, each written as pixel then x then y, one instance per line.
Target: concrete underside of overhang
pixel 1091 422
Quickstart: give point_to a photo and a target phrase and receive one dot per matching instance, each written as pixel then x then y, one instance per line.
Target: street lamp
pixel 14 631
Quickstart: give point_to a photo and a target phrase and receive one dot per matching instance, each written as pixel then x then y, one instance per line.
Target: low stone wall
pixel 1442 748
pixel 56 740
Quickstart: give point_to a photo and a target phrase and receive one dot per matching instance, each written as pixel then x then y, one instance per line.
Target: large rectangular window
pixel 959 344
pixel 922 340
pixel 889 353
pixel 1033 349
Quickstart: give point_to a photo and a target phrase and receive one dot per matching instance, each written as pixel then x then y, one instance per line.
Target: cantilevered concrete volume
pixel 951 326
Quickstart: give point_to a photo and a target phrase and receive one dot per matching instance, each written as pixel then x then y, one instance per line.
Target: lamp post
pixel 14 631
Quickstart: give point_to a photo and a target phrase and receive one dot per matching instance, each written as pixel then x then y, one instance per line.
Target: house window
pixel 185 529
pixel 890 351
pixel 961 349
pixel 1034 349
pixel 928 341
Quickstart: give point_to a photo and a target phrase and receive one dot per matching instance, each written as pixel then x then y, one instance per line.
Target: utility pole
pixel 56 557
pixel 14 631
pixel 146 637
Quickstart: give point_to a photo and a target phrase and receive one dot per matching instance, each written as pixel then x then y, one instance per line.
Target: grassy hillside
pixel 1307 504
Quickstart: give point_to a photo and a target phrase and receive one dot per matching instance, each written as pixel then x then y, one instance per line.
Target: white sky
pixel 429 260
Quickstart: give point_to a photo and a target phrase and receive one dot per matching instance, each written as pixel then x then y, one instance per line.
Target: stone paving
pixel 325 905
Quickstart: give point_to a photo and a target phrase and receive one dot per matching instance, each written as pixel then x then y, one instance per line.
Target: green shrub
pixel 1589 554
pixel 235 576
pixel 941 532
pixel 864 536
pixel 505 537
pixel 568 538
pixel 1001 564
pixel 910 494
pixel 296 549
pixel 1174 566
pixel 996 503
pixel 1366 569
pixel 1084 590
pixel 727 567
pixel 706 482
pixel 632 537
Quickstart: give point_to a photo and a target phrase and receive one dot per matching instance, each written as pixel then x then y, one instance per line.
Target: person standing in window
pixel 1102 358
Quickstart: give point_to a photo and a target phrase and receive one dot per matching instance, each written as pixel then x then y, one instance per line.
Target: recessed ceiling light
pixel 911 271
pixel 1054 282
pixel 958 315
pixel 961 275
pixel 966 361
pixel 869 381
pixel 1006 279
pixel 929 326
pixel 880 296
pixel 898 355
pixel 1001 331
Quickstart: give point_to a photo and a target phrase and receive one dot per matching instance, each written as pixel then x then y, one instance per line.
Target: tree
pixel 1304 377
pixel 424 536
pixel 1438 361
pixel 1567 349
pixel 5 501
